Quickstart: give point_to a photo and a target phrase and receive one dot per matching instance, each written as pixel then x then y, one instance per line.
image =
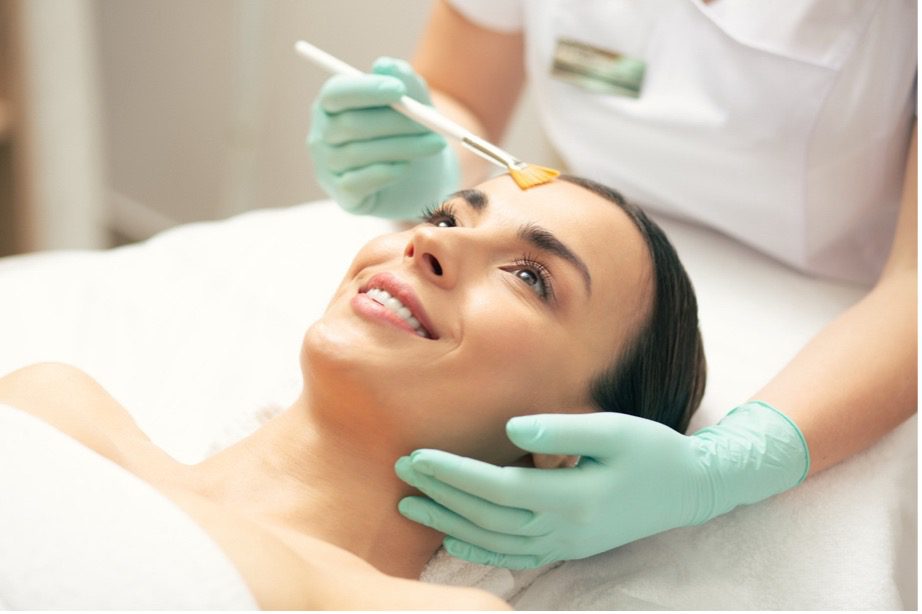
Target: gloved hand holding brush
pixel 371 159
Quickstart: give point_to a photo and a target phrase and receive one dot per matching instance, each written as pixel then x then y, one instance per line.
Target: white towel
pixel 78 531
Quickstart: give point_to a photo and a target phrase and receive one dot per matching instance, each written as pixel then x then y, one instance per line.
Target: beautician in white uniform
pixel 789 125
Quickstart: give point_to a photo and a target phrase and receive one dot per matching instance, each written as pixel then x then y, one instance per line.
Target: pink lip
pixel 404 293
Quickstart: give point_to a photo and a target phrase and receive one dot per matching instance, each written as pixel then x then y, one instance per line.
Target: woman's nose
pixel 431 252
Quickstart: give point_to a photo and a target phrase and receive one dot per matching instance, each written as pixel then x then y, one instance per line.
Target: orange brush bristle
pixel 532 175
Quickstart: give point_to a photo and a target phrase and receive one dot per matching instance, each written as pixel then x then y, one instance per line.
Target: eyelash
pixel 526 262
pixel 445 212
pixel 442 213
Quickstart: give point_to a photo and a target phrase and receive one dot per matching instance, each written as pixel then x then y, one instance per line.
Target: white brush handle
pixel 415 110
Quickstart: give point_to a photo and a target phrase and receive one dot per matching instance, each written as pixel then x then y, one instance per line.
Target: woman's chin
pixel 350 342
pixel 345 356
pixel 328 348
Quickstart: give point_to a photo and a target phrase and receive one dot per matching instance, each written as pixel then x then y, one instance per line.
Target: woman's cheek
pixel 522 349
pixel 380 249
pixel 519 327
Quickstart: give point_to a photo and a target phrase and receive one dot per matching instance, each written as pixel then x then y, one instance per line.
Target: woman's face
pixel 522 297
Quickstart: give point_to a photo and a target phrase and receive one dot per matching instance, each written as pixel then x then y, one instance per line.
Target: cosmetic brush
pixel 525 175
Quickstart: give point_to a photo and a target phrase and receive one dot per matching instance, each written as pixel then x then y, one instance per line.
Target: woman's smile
pixel 387 298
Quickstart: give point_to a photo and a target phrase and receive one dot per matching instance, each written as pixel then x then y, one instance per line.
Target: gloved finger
pixel 354 155
pixel 355 186
pixel 482 556
pixel 343 92
pixel 483 513
pixel 366 124
pixel 596 435
pixel 509 486
pixel 415 85
pixel 429 513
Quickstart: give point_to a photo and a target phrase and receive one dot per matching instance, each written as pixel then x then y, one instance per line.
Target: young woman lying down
pixel 501 303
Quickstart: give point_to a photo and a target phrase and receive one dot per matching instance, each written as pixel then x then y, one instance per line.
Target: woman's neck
pixel 325 479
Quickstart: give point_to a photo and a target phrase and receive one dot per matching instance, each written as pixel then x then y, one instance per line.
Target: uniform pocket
pixel 819 32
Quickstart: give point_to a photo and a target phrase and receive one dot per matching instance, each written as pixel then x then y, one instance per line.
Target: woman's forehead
pixel 556 201
pixel 601 234
pixel 597 229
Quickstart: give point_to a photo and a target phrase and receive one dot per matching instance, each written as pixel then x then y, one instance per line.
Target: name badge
pixel 596 69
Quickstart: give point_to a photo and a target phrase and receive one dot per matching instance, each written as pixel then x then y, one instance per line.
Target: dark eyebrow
pixel 541 238
pixel 477 199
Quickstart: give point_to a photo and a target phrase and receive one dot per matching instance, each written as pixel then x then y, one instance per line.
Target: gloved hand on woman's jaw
pixel 371 159
pixel 635 478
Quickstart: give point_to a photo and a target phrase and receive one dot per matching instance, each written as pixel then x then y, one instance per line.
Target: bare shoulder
pixel 306 573
pixel 461 598
pixel 281 573
pixel 71 401
pixel 401 594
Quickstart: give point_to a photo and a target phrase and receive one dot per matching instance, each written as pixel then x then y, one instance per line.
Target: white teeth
pixel 393 304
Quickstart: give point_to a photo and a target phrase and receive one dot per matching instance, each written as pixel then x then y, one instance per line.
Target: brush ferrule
pixel 491 152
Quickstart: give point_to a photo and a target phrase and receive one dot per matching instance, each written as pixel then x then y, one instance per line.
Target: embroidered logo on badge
pixel 596 69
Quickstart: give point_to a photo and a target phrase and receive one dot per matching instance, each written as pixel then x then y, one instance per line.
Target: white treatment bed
pixel 197 333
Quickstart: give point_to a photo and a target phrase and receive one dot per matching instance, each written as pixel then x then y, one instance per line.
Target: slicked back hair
pixel 662 373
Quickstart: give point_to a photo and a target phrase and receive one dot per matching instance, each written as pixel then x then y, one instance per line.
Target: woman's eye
pixel 444 222
pixel 442 217
pixel 534 275
pixel 530 277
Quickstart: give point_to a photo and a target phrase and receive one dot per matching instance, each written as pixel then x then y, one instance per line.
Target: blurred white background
pixel 131 116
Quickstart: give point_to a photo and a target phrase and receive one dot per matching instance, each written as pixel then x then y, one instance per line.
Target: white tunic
pixel 784 123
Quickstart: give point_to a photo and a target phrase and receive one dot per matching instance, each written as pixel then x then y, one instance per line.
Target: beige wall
pixel 55 148
pixel 206 106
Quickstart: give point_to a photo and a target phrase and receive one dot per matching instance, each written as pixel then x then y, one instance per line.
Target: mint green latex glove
pixel 635 478
pixel 371 159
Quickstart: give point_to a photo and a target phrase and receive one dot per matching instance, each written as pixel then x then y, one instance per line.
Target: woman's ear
pixel 554 461
pixel 561 461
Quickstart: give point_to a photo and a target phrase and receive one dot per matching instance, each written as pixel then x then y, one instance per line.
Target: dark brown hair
pixel 661 376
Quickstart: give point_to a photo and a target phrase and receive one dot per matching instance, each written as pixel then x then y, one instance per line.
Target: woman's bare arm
pixel 856 380
pixel 71 401
pixel 321 576
pixel 476 76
